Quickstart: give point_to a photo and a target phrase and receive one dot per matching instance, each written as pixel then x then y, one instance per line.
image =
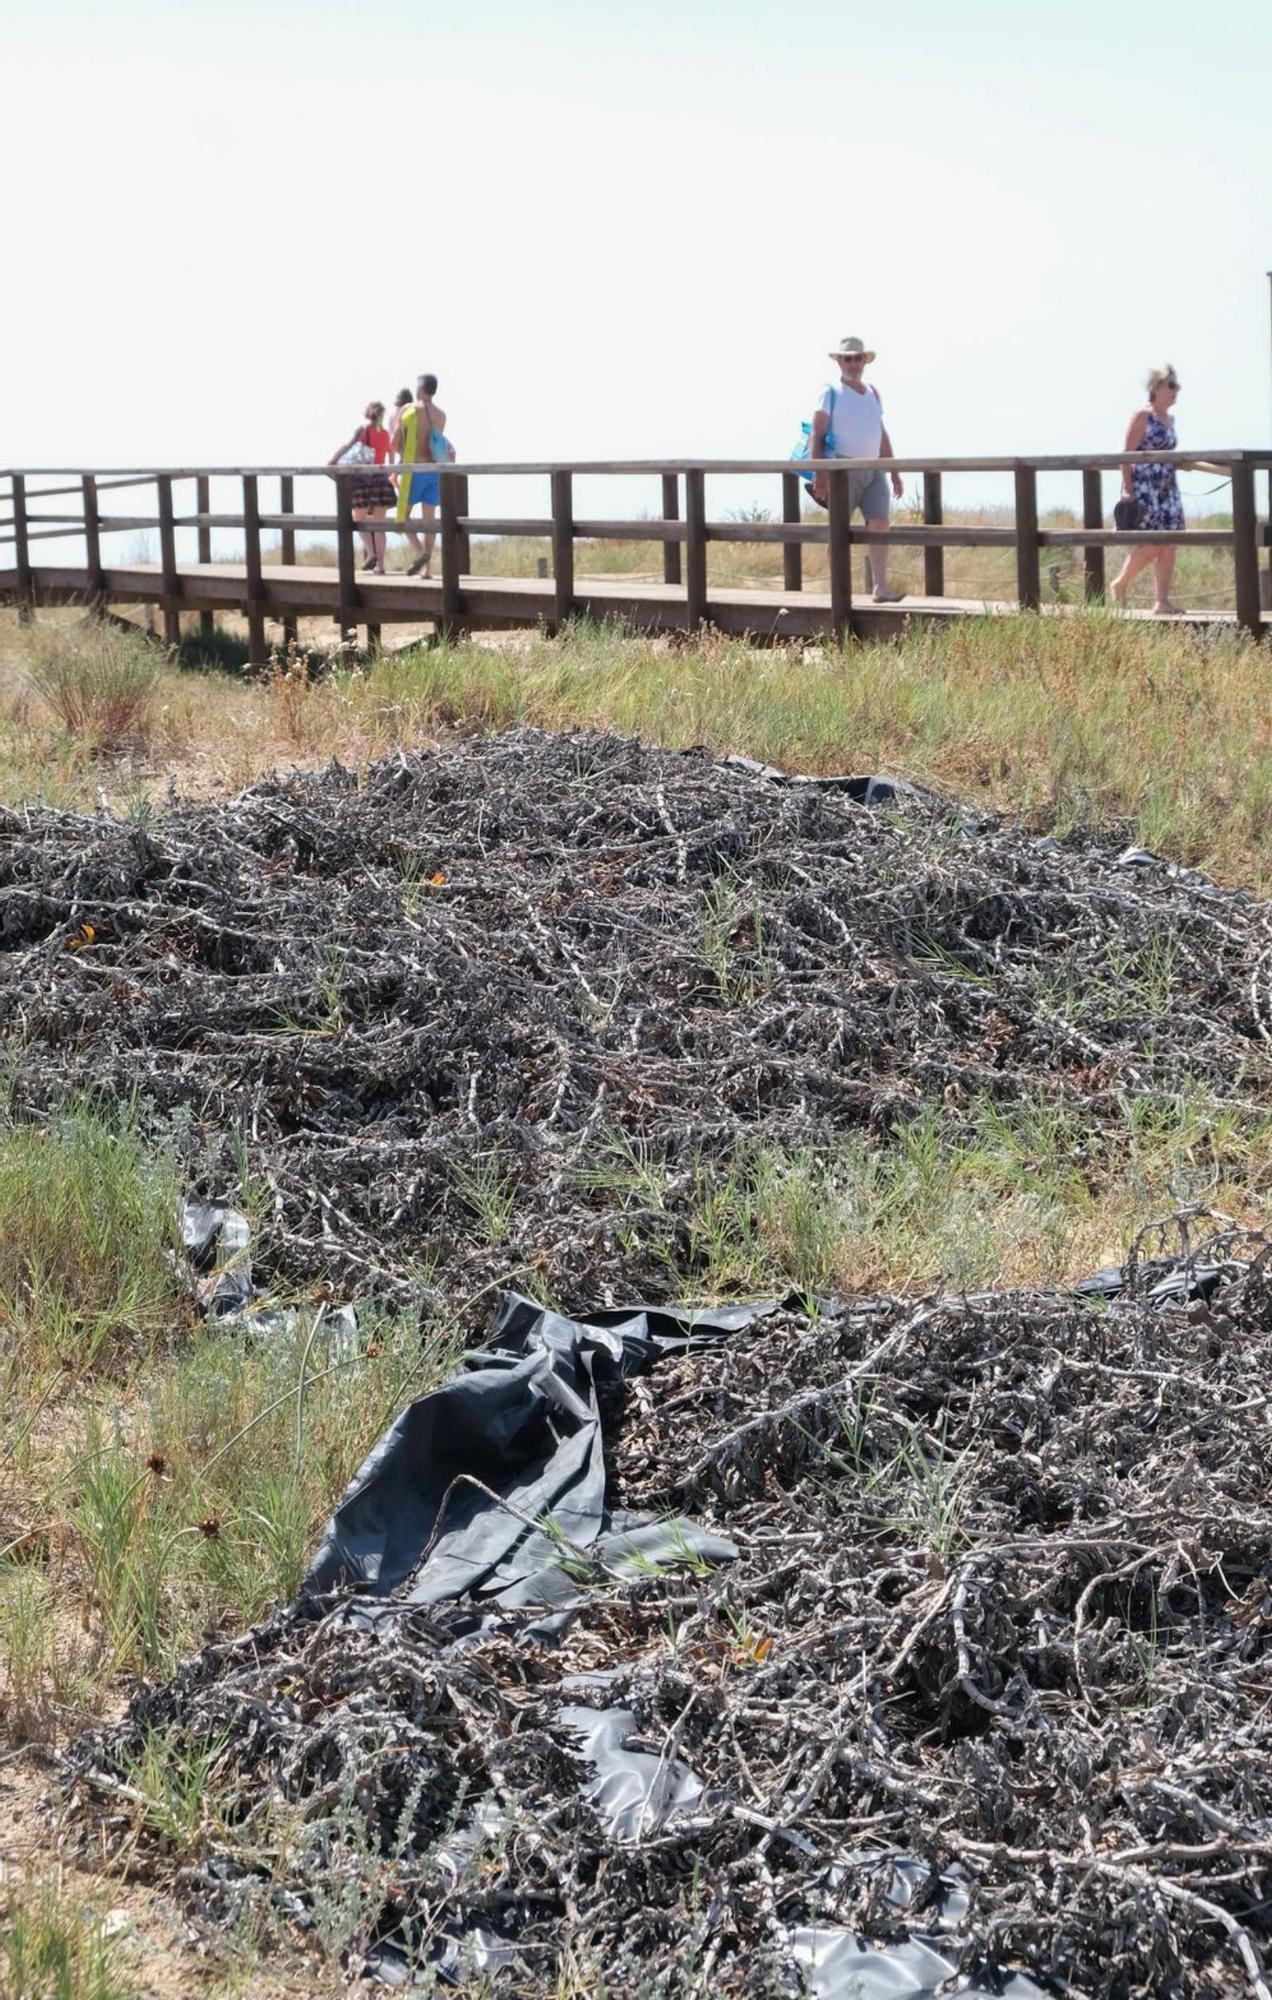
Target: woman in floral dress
pixel 1154 488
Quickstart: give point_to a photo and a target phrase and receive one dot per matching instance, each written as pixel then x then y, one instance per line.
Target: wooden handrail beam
pixel 1045 462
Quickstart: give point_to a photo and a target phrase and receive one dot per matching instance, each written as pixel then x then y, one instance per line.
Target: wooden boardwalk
pixel 43 506
pixel 506 603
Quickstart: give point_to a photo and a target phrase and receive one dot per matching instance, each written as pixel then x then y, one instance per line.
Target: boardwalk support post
pixel 93 546
pixel 459 480
pixel 1245 546
pixel 792 514
pixel 839 511
pixel 347 608
pixel 252 565
pixel 287 505
pixel 1028 574
pixel 21 550
pixel 695 549
pixel 1092 517
pixel 168 562
pixel 933 517
pixel 562 548
pixel 203 506
pixel 671 512
pixel 453 541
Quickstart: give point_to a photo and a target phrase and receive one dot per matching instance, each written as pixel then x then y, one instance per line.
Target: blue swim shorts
pixel 426 489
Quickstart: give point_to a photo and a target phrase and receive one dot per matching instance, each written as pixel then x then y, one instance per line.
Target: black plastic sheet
pixel 494 1484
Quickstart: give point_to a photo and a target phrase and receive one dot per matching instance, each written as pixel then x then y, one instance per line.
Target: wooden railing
pixel 683 528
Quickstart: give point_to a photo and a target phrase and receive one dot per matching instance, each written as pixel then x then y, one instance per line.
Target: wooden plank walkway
pixel 80 505
pixel 493 603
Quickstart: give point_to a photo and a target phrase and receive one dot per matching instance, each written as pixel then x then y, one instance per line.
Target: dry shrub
pixel 98 680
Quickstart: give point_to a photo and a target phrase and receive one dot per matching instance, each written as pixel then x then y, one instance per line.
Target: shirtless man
pixel 411 438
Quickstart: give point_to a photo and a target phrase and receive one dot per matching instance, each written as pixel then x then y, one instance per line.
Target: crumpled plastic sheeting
pixel 840 1966
pixel 217 1240
pixel 1161 1282
pixel 454 1961
pixel 523 1421
pixel 906 1881
pixel 634 1792
pixel 872 790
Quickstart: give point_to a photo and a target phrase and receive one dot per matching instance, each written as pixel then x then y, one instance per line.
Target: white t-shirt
pixel 856 421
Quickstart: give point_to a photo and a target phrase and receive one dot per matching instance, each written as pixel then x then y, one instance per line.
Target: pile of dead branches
pixel 990 1670
pixel 466 972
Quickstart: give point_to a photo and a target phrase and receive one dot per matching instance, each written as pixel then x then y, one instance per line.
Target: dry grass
pixel 97 680
pixel 1063 721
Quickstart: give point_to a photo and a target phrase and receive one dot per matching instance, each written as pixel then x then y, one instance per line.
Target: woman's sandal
pixel 420 563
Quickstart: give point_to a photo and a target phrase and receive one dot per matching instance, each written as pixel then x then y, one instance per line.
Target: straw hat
pixel 849 347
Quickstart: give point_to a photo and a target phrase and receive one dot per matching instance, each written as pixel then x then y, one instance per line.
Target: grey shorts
pixel 869 492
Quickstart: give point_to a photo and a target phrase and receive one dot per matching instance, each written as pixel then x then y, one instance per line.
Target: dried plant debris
pixel 423 1000
pixel 970 1693
pixel 882 1647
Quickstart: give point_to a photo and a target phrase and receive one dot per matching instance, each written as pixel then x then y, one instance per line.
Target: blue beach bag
pixel 803 449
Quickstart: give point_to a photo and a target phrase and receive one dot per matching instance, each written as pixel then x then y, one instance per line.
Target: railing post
pixel 671 512
pixel 168 561
pixel 252 568
pixel 1092 517
pixel 459 481
pixel 347 608
pixel 562 548
pixel 203 545
pixel 1245 546
pixel 933 517
pixel 93 543
pixel 1028 575
pixel 21 548
pixel 792 514
pixel 695 548
pixel 453 490
pixel 203 505
pixel 287 553
pixel 839 514
pixel 1267 574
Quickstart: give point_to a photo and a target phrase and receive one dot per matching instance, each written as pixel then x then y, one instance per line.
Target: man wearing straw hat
pixel 848 423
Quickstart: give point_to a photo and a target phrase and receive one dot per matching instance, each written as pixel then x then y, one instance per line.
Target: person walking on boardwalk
pixel 848 423
pixel 373 493
pixel 1152 490
pixel 419 438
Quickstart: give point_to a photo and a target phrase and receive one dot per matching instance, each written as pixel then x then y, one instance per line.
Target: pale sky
pixel 629 231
